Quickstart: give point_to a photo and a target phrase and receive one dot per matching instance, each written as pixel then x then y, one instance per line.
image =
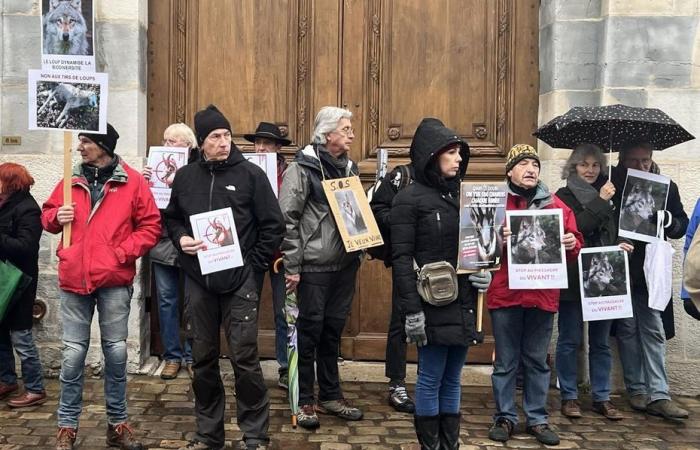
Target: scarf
pixel 528 194
pixel 584 192
pixel 333 167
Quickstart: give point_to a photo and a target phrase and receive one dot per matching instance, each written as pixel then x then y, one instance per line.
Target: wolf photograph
pixel 535 239
pixel 71 106
pixel 603 274
pixel 350 212
pixel 641 199
pixel 67 27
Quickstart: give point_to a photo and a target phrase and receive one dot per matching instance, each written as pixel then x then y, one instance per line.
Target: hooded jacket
pixel 312 242
pixel 425 227
pixel 499 294
pixel 233 183
pixel 108 238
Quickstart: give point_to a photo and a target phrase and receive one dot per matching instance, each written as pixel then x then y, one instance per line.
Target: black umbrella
pixel 611 127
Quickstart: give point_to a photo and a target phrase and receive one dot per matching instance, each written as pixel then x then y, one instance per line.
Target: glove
pixel 415 329
pixel 480 280
pixel 691 309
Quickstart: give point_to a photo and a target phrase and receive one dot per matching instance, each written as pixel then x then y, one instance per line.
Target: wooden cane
pixel 480 309
pixel 67 174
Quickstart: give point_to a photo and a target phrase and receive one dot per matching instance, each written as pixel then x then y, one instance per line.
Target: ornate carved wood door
pixel 471 63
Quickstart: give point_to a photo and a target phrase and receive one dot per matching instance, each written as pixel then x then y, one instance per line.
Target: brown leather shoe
pixel 27 399
pixel 122 436
pixel 7 389
pixel 170 370
pixel 65 438
pixel 608 410
pixel 570 408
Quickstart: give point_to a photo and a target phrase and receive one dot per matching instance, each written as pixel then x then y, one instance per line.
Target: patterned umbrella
pixel 612 126
pixel 291 312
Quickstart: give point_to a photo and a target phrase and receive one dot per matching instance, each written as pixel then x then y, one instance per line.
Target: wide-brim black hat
pixel 269 131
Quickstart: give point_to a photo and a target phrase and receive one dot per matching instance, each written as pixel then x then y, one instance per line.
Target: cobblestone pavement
pixel 162 414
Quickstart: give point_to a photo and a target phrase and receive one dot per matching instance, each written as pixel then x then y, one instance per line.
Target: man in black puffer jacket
pixel 425 229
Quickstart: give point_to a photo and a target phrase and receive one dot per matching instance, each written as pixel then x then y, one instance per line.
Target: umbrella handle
pixel 276 265
pixel 294 421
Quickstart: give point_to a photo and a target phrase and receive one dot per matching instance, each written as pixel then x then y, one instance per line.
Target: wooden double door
pixel 471 63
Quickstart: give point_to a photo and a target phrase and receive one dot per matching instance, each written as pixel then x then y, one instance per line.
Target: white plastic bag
pixel 658 268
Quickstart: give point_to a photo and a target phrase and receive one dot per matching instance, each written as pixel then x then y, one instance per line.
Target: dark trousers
pixel 395 367
pixel 205 312
pixel 324 303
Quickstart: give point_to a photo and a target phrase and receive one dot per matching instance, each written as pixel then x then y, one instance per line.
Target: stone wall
pixel 120 29
pixel 641 53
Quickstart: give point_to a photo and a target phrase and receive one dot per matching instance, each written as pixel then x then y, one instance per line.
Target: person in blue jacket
pixel 688 305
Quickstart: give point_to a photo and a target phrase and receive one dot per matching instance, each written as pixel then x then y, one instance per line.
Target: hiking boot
pixel 570 408
pixel 544 434
pixel 608 410
pixel 122 436
pixel 65 438
pixel 307 418
pixel 170 370
pixel 667 409
pixel 639 402
pixel 196 445
pixel 399 399
pixel 7 389
pixel 28 399
pixel 501 430
pixel 341 408
pixel 283 380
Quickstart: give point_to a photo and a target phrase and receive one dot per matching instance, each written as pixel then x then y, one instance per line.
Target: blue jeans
pixel 113 306
pixel 600 360
pixel 167 283
pixel 521 333
pixel 23 343
pixel 278 295
pixel 438 386
pixel 642 344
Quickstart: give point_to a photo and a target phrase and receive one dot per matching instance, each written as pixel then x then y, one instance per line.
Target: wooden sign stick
pixel 480 309
pixel 67 175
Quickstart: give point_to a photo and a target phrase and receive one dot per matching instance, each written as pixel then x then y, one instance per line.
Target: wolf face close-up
pixel 600 275
pixel 484 220
pixel 529 241
pixel 65 30
pixel 638 207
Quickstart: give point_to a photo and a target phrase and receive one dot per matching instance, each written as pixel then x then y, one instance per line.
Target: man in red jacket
pixel 522 319
pixel 114 221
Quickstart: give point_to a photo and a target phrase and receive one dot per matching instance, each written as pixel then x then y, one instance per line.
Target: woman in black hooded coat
pixel 425 229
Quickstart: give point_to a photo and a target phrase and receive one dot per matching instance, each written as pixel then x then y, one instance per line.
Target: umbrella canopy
pixel 611 127
pixel 291 312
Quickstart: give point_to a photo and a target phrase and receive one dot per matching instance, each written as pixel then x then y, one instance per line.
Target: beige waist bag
pixel 437 283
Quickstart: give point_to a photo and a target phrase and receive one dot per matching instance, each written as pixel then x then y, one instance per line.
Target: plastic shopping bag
pixel 658 268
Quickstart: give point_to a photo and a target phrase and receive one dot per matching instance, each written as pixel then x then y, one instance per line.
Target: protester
pixel 690 274
pixel 20 231
pixel 166 271
pixel 588 192
pixel 317 265
pixel 223 178
pixel 641 338
pixel 114 221
pixel 395 362
pixel 268 139
pixel 522 319
pixel 425 229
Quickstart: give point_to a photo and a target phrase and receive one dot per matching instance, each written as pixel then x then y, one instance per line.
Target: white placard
pixel 217 230
pixel 644 194
pixel 604 279
pixel 268 163
pixel 67 35
pixel 164 162
pixel 536 256
pixel 67 101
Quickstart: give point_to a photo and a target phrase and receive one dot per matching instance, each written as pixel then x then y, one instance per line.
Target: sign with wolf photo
pixel 67 35
pixel 352 213
pixel 482 213
pixel 536 256
pixel 604 280
pixel 268 163
pixel 164 161
pixel 217 230
pixel 644 194
pixel 67 101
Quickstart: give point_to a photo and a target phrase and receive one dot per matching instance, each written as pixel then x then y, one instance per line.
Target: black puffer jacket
pixel 425 226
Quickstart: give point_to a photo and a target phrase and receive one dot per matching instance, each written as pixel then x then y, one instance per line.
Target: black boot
pixel 428 432
pixel 449 431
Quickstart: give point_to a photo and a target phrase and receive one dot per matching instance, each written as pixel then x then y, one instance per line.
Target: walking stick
pixel 480 309
pixel 67 173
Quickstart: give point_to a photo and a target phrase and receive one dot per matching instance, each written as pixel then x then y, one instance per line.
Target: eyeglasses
pixel 347 131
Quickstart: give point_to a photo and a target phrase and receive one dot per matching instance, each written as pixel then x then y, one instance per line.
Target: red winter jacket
pixel 499 295
pixel 106 241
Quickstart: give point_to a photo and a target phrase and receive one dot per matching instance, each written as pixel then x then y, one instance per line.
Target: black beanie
pixel 108 142
pixel 208 120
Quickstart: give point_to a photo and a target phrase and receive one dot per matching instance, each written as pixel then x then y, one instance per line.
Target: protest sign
pixel 268 163
pixel 217 230
pixel 643 196
pixel 604 283
pixel 67 35
pixel 164 162
pixel 482 210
